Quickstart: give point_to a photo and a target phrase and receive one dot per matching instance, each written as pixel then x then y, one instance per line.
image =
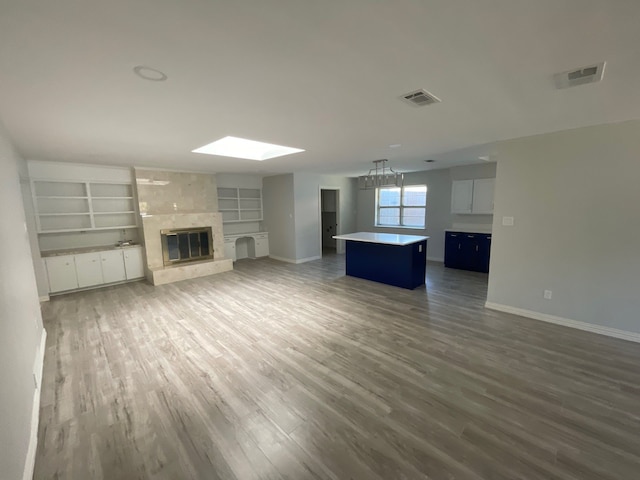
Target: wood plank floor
pixel 279 371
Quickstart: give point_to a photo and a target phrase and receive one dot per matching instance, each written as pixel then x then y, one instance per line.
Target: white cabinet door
pixel 230 249
pixel 461 196
pixel 133 264
pixel 88 269
pixel 483 195
pixel 112 266
pixel 61 272
pixel 262 245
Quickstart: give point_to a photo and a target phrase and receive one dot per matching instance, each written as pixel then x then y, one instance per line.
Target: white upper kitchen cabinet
pixel 483 195
pixel 88 269
pixel 112 266
pixel 461 196
pixel 472 196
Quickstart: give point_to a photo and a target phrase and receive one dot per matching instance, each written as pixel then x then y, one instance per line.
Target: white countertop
pixel 386 238
pixel 79 250
pixel 238 235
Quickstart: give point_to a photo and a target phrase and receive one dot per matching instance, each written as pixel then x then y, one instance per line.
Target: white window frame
pixel 401 207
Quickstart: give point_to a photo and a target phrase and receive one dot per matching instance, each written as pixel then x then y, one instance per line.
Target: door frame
pixel 340 248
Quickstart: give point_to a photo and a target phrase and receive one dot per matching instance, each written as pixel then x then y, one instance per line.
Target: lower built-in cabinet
pixel 113 266
pixel 88 269
pixel 83 270
pixel 467 251
pixel 252 245
pixel 62 273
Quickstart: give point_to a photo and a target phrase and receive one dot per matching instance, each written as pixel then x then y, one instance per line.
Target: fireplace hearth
pixel 182 245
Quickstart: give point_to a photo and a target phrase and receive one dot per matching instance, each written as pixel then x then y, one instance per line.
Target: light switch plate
pixel 507 221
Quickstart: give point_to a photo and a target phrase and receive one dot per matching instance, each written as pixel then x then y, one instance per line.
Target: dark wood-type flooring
pixel 296 371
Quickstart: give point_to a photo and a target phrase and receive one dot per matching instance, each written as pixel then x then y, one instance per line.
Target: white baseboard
pixel 567 322
pixel 44 298
pixel 435 259
pixel 282 259
pixel 293 260
pixel 38 364
pixel 308 259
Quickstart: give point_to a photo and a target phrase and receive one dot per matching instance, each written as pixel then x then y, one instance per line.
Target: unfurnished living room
pixel 368 240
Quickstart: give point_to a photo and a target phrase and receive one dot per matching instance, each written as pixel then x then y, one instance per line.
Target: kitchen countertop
pixel 386 238
pixel 75 251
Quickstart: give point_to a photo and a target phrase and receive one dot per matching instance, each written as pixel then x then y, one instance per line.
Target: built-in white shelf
pixel 76 206
pixel 240 204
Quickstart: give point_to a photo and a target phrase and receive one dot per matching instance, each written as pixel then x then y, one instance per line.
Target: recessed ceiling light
pixel 243 148
pixel 395 145
pixel 148 73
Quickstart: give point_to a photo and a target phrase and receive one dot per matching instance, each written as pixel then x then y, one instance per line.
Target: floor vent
pixel 420 98
pixel 580 76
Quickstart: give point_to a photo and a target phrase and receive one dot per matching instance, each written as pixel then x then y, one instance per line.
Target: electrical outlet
pixel 548 294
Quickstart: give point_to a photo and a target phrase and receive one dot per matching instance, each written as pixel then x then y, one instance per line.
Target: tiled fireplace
pixel 160 273
pixel 180 210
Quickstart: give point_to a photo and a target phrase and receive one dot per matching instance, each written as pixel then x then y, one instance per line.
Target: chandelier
pixel 380 176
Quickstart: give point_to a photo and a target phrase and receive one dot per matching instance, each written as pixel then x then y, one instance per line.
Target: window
pixel 401 207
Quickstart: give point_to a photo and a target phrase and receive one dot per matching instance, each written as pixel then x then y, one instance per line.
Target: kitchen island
pixel 398 260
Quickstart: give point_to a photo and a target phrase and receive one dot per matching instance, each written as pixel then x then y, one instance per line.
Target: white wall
pixel 439 216
pixel 21 330
pixel 279 221
pixel 307 210
pixel 575 197
pixel 27 201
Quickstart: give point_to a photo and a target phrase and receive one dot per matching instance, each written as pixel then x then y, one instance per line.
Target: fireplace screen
pixel 186 244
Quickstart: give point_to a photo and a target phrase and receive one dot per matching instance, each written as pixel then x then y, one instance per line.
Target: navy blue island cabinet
pixel 467 251
pixel 398 260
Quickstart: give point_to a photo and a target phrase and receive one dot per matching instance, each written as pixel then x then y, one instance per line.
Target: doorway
pixel 329 219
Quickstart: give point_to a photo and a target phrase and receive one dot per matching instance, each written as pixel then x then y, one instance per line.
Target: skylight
pixel 243 148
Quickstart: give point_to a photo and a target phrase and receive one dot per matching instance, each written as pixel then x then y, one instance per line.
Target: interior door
pixel 329 217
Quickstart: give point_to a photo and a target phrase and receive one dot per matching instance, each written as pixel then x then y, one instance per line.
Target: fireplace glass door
pixel 183 245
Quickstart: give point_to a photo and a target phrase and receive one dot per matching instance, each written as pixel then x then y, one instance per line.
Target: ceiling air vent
pixel 580 76
pixel 420 98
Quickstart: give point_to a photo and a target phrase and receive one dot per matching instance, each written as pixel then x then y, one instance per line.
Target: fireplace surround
pixel 157 272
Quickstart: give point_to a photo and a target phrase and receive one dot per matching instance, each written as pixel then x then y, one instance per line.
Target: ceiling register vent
pixel 420 98
pixel 580 76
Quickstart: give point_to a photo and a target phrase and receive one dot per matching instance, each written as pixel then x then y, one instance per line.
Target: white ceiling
pixel 324 76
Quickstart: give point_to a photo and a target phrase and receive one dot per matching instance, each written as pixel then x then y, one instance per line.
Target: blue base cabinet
pixel 467 251
pixel 398 265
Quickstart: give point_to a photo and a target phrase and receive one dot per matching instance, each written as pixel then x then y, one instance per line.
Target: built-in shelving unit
pixel 240 204
pixel 62 206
